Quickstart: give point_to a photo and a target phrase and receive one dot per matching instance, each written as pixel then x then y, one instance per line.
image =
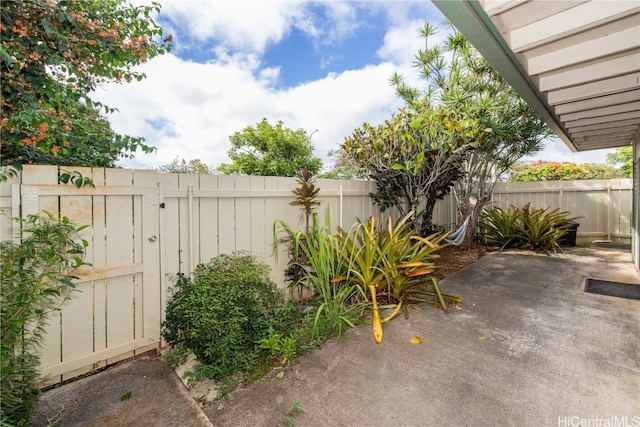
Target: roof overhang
pixel 576 62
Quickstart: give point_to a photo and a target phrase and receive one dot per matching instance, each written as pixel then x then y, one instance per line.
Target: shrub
pixel 525 228
pixel 36 280
pixel 223 313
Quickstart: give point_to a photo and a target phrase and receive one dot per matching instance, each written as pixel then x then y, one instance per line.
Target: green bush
pixel 36 280
pixel 222 315
pixel 525 228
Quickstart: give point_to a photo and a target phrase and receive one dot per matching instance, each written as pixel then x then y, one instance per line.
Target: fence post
pixel 608 211
pixel 190 210
pixel 560 196
pixel 340 211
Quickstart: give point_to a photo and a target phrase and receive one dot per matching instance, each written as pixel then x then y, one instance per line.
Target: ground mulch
pixel 454 258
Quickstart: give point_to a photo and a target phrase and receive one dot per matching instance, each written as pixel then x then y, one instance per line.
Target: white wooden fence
pixel 603 207
pixel 146 226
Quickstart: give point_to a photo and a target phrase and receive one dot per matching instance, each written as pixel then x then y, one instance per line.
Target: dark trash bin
pixel 569 237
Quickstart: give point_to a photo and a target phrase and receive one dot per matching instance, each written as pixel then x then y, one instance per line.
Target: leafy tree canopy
pixel 622 159
pixel 178 165
pixel 556 171
pixel 52 55
pixel 415 156
pixel 270 150
pixel 458 77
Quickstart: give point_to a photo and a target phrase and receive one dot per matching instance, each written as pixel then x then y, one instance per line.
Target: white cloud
pixel 338 104
pixel 188 109
pixel 201 105
pixel 242 25
pixel 343 21
pixel 557 151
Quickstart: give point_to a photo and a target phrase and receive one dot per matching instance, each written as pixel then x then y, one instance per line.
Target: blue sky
pixel 319 66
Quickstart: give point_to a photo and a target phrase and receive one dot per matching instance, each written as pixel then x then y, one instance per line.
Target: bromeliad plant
pixel 526 227
pixel 391 264
pixel 368 265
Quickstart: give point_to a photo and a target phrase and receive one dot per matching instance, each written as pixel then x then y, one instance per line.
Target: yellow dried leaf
pixel 420 272
pixel 417 340
pixel 480 338
pixel 411 264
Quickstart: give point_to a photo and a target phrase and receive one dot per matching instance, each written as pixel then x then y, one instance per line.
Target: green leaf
pixel 5 57
pixel 48 28
pixel 125 396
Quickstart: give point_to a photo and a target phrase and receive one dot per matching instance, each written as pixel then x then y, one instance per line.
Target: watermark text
pixel 611 421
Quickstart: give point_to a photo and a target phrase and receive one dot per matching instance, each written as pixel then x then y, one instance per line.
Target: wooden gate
pixel 116 311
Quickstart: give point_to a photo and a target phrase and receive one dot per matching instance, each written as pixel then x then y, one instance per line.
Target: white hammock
pixel 456 237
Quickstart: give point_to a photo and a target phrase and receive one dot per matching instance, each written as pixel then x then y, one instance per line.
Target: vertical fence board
pixel 150 310
pixel 170 226
pixel 33 203
pixel 138 237
pixel 242 217
pixel 187 228
pixel 120 248
pixel 271 215
pixel 208 220
pixel 77 313
pixel 226 216
pixel 621 212
pixel 259 229
pixel 98 245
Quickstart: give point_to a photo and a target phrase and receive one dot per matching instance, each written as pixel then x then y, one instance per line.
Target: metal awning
pixel 577 62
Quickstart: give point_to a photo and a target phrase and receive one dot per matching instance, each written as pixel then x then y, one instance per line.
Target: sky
pixel 321 66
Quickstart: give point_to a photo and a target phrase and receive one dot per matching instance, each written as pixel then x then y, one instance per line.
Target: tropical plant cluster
pixel 37 277
pixel 234 319
pixel 526 228
pixel 371 266
pixel 306 198
pixel 458 78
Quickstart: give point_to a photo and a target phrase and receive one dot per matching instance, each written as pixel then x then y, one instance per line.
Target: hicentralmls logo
pixel 612 421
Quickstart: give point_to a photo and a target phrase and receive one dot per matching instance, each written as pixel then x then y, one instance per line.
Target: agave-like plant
pixel 526 228
pixel 389 263
pixel 541 230
pixel 501 226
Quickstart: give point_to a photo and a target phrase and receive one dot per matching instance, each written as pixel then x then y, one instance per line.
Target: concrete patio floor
pixel 527 348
